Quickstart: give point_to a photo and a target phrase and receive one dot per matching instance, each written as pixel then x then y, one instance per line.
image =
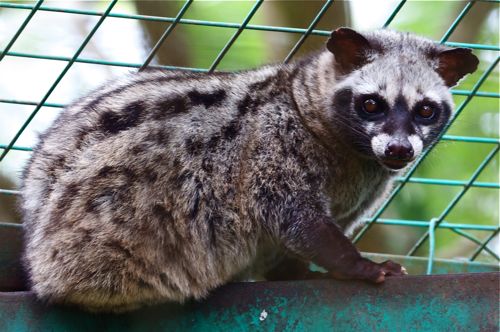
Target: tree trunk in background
pixel 8 206
pixel 299 14
pixel 154 30
pixel 469 28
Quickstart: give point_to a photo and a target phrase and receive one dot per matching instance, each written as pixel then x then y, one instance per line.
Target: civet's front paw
pixel 365 269
pixel 389 268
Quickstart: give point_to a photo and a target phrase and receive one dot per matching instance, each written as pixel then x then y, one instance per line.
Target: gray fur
pixel 165 185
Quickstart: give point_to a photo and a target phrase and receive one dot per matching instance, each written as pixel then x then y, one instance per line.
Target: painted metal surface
pixel 11 244
pixel 467 302
pixel 456 302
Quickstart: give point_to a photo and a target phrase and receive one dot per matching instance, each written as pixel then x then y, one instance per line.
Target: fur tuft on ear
pixel 455 64
pixel 349 48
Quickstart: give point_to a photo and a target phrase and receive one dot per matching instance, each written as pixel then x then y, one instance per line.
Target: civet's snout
pixel 396 152
pixel 399 150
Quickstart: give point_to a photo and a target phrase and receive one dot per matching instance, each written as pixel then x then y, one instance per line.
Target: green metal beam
pixel 459 302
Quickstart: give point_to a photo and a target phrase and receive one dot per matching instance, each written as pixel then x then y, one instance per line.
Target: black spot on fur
pixel 58 163
pixel 244 105
pixel 213 142
pixel 260 85
pixel 86 236
pixel 170 106
pixel 212 222
pixel 57 216
pixel 93 204
pixel 68 195
pixel 194 145
pixel 118 221
pixel 144 284
pixel 159 136
pixel 193 212
pixel 252 102
pixel 179 180
pixel 129 173
pixel 282 82
pixel 113 122
pixel 176 163
pixel 206 165
pixel 159 211
pixel 207 99
pixel 137 149
pixel 230 131
pixel 150 175
pixel 290 125
pixel 166 282
pixel 54 254
pixel 81 136
pixel 164 279
pixel 105 171
pixel 179 77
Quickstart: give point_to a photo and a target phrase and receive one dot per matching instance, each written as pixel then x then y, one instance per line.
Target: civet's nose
pixel 399 150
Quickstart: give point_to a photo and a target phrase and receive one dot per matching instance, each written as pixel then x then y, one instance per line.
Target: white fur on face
pixel 416 144
pixel 425 130
pixel 379 143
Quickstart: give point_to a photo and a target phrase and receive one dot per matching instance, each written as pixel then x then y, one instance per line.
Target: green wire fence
pixel 438 222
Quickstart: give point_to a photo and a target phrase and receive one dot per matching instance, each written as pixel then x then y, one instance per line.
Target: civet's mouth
pixel 395 164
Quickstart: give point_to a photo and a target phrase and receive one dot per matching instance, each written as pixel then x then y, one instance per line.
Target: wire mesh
pixel 431 225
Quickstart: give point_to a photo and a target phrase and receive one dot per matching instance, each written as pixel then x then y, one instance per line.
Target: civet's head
pixel 392 97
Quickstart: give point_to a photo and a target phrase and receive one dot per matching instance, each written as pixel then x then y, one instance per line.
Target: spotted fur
pixel 164 185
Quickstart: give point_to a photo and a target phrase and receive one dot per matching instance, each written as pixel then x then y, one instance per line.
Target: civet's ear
pixel 349 47
pixel 455 63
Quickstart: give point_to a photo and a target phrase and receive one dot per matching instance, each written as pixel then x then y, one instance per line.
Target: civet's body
pixel 164 185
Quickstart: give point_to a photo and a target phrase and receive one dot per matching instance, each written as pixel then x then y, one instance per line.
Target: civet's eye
pixel 370 106
pixel 426 111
